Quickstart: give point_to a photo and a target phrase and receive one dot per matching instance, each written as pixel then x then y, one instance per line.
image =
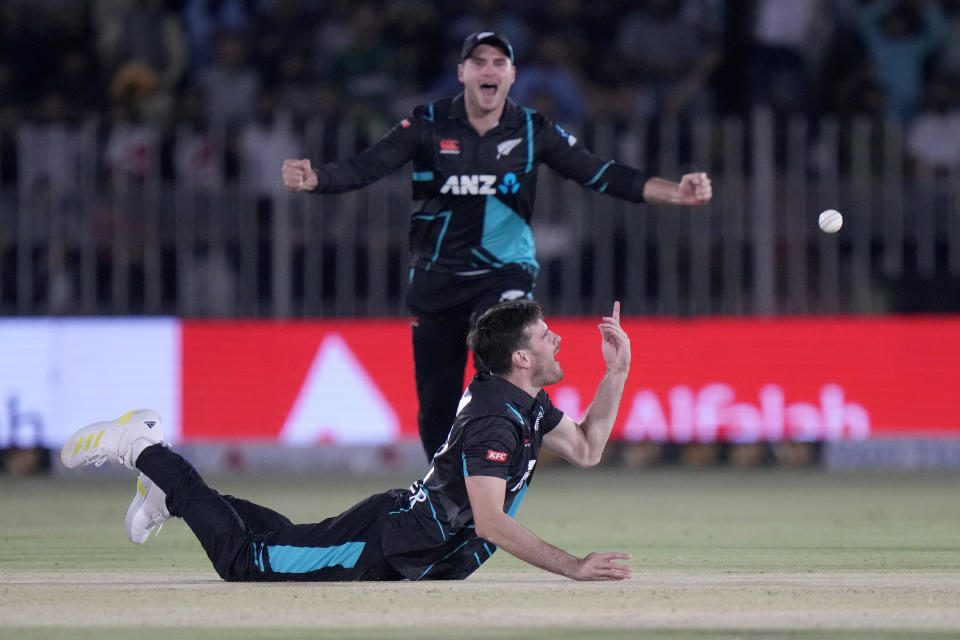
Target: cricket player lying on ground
pixel 446 524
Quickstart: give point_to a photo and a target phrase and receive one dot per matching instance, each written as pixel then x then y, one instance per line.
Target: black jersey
pixel 473 195
pixel 498 432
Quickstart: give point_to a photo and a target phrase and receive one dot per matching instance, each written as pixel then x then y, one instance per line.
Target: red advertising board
pixel 242 379
pixel 705 379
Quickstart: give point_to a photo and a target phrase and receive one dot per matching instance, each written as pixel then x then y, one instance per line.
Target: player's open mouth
pixel 488 90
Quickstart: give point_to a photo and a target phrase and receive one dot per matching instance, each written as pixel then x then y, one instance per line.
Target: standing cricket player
pixel 475 159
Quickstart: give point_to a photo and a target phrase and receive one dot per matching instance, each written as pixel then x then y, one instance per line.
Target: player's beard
pixel 548 372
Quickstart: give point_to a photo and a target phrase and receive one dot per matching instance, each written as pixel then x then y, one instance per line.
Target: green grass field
pixel 716 554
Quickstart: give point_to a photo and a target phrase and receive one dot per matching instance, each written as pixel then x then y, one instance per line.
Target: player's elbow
pixel 486 528
pixel 583 460
pixel 586 456
pixel 591 459
pixel 483 531
pixel 486 531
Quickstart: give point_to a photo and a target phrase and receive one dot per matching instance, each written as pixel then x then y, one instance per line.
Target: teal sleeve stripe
pixel 288 559
pixel 422 176
pixel 599 173
pixel 527 112
pixel 604 187
pixel 464 457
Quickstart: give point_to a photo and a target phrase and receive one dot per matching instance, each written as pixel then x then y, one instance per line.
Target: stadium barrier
pixel 100 225
pixel 125 221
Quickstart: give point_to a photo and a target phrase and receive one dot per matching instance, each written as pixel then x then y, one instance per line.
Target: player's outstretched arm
pixel 389 153
pixel 693 189
pixel 493 525
pixel 582 444
pixel 298 175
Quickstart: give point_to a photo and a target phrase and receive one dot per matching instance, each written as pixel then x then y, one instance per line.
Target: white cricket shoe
pixel 119 441
pixel 148 510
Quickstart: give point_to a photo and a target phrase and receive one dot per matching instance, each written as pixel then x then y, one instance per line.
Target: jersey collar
pixel 514 394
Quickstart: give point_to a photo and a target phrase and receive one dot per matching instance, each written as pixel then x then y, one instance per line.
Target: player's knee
pixel 237 564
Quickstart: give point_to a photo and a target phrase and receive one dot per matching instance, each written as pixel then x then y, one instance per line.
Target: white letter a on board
pixel 339 402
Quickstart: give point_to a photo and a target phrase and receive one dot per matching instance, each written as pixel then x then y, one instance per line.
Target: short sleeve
pixel 551 415
pixel 489 445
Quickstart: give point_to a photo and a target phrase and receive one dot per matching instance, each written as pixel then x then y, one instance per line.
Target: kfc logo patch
pixel 405 123
pixel 496 456
pixel 450 146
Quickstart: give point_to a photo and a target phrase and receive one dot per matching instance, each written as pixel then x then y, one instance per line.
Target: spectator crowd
pixel 201 92
pixel 234 62
pixel 155 78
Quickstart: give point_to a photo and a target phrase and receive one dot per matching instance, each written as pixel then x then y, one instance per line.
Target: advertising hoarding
pixel 741 380
pixel 351 381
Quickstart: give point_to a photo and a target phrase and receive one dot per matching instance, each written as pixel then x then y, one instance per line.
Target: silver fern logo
pixel 505 147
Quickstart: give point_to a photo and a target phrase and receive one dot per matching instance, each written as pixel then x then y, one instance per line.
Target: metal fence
pixel 91 223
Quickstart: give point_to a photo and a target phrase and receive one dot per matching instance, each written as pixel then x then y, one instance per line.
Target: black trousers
pixel 443 305
pixel 248 542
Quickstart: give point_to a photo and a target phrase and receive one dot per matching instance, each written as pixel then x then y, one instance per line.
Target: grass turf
pixel 718 553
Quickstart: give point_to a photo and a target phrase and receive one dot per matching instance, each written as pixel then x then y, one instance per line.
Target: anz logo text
pixel 480 185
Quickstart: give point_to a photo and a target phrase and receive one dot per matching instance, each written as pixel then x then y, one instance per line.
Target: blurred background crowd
pixel 239 63
pixel 141 142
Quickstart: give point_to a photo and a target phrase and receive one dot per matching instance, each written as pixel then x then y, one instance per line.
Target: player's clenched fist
pixel 299 176
pixel 695 188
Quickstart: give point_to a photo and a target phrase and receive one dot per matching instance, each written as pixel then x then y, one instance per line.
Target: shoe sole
pixel 82 440
pixel 88 437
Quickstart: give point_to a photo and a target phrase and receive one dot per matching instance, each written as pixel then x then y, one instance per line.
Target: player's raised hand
pixel 615 343
pixel 695 188
pixel 298 175
pixel 603 566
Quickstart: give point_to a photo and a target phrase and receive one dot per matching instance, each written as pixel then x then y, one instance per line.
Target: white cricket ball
pixel 831 221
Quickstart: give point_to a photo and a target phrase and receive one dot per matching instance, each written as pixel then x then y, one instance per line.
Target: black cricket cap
pixel 486 37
